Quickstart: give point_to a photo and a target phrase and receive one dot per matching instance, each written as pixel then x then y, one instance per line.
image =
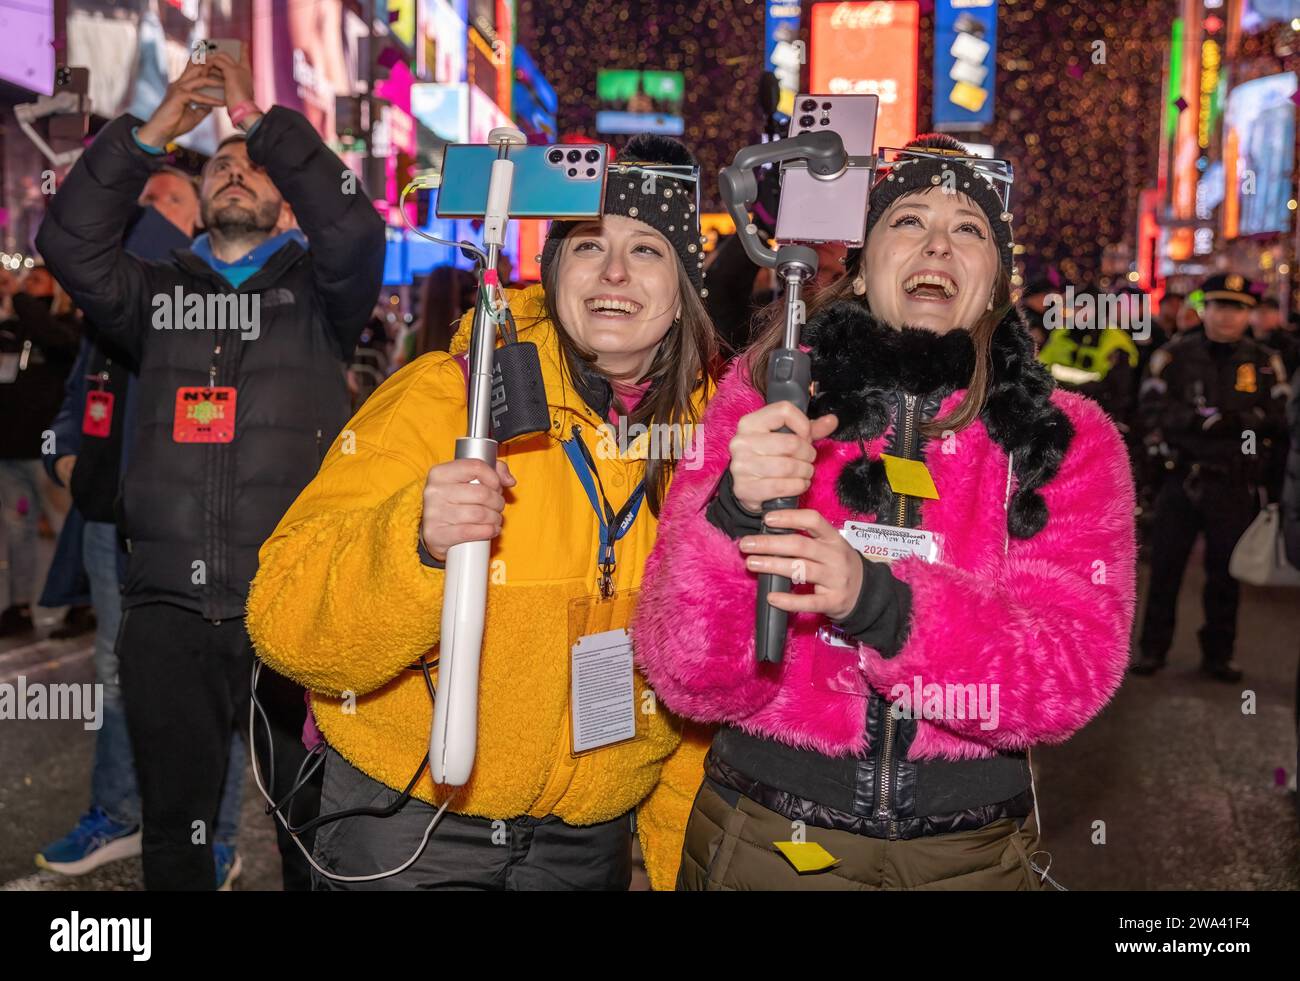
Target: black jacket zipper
pixel 886 771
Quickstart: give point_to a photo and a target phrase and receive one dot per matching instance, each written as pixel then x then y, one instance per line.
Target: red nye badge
pixel 204 415
pixel 98 418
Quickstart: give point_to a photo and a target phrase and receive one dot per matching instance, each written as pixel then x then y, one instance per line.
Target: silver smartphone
pixel 206 49
pixel 562 181
pixel 813 210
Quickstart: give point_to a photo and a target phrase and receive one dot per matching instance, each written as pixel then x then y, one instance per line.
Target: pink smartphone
pixel 214 46
pixel 813 210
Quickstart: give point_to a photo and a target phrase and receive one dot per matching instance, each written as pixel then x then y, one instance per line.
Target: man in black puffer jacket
pixel 238 401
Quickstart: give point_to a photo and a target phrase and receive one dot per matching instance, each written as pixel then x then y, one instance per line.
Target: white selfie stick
pixel 454 738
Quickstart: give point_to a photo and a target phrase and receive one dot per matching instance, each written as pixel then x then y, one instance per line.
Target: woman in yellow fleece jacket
pixel 348 597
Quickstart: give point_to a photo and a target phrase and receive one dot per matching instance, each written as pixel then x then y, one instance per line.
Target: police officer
pixel 1214 399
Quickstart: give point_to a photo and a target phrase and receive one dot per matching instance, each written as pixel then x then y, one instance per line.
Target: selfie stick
pixel 454 738
pixel 789 374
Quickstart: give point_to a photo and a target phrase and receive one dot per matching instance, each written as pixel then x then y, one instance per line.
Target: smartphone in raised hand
pixel 203 50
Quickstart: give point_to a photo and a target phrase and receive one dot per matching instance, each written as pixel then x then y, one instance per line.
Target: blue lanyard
pixel 612 526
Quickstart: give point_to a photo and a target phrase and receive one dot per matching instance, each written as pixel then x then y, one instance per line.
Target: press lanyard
pixel 612 526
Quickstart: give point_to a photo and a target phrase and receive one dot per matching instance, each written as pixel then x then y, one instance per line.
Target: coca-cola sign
pixel 869 48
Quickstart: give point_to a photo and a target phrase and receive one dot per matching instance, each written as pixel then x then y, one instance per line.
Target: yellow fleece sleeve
pixel 661 818
pixel 341 601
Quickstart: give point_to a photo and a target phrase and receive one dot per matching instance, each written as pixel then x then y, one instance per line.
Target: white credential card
pixel 886 543
pixel 882 543
pixel 602 699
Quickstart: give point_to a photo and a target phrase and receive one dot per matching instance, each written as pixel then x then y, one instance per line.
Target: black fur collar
pixel 859 362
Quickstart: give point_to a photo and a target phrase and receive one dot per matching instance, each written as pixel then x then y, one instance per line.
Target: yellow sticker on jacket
pixel 909 477
pixel 806 856
pixel 1246 378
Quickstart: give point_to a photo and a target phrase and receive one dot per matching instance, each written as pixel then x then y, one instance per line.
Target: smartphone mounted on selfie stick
pixel 505 394
pixel 820 156
pixel 454 737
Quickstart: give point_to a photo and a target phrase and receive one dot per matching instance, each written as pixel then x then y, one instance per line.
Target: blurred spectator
pixel 445 295
pixel 89 453
pixel 1163 328
pixel 1093 357
pixel 1205 390
pixel 171 192
pixel 1268 326
pixel 204 489
pixel 38 346
pixel 369 366
pixel 1188 319
pixel 1033 301
pixel 1167 316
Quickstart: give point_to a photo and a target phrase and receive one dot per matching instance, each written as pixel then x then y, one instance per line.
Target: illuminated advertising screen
pixel 1185 149
pixel 134 50
pixel 1259 14
pixel 304 57
pixel 401 20
pixel 1259 156
pixel 482 65
pixel 965 63
pixel 443 111
pixel 504 50
pixel 484 115
pixel 869 48
pixel 28 30
pixel 443 38
pixel 482 16
pixel 783 53
pixel 535 102
pixel 633 101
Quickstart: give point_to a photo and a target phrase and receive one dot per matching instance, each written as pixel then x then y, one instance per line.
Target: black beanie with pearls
pixel 664 202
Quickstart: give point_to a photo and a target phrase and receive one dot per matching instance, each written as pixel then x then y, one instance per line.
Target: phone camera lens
pixel 555 156
pixel 826 106
pixel 826 120
pixel 806 121
pixel 808 105
pixel 591 171
pixel 593 156
pixel 575 156
pixel 573 171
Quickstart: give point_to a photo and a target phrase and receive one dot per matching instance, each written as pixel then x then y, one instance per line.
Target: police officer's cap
pixel 1229 287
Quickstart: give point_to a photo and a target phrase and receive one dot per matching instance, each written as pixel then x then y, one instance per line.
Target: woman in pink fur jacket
pixel 936 633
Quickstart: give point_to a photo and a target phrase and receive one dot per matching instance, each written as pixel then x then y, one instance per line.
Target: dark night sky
pixel 1082 136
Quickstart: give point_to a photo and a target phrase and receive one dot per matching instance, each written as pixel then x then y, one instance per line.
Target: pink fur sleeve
pixel 693 631
pixel 1051 627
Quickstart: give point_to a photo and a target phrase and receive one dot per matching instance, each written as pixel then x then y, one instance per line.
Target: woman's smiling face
pixel 930 262
pixel 617 292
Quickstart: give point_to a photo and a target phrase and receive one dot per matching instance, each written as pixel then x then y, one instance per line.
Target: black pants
pixel 185 684
pixel 1221 509
pixel 465 853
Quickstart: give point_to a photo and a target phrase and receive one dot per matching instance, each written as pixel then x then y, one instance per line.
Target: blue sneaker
pixel 96 840
pixel 228 865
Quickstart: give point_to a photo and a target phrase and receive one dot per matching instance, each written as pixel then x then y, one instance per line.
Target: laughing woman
pixel 897 728
pixel 349 592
